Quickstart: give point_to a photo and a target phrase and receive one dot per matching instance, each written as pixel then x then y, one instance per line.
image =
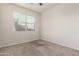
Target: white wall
pixel 7 35
pixel 60 25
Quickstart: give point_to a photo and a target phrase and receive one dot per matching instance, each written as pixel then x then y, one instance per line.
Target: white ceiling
pixel 36 7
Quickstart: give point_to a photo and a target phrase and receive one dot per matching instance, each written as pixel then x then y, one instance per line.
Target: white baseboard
pixel 11 44
pixel 59 43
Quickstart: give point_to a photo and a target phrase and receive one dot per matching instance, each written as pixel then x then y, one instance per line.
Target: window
pixel 30 23
pixel 23 22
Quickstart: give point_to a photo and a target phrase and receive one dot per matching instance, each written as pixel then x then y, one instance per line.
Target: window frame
pixel 25 27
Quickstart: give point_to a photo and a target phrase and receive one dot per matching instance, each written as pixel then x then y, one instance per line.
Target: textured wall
pixel 60 24
pixel 8 35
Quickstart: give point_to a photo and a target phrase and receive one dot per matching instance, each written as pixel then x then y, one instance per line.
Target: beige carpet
pixel 38 48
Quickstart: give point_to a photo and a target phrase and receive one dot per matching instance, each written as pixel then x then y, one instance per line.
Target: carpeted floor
pixel 38 48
